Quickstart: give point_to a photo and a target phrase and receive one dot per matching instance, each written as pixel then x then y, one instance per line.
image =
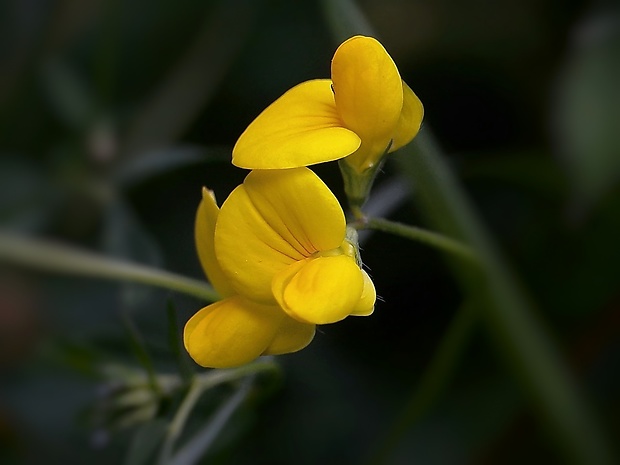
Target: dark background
pixel 113 115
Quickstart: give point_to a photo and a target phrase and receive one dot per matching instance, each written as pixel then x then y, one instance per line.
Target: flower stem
pixel 196 447
pixel 58 258
pixel 197 387
pixel 215 377
pixel 180 418
pixel 357 185
pixel 414 233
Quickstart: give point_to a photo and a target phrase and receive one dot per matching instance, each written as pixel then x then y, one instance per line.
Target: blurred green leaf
pixel 26 199
pixel 345 19
pixel 69 94
pixel 123 236
pixel 134 416
pixel 145 442
pixel 532 170
pixel 194 80
pixel 175 340
pixel 21 32
pixel 467 425
pixel 81 357
pixel 588 110
pixel 141 352
pixel 158 162
pixel 437 375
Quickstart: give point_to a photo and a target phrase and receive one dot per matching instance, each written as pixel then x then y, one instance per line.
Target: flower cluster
pixel 278 250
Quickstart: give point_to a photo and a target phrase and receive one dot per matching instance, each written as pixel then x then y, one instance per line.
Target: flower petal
pixel 275 218
pixel 291 337
pixel 247 248
pixel 231 332
pixel 300 128
pixel 299 207
pixel 204 233
pixel 319 290
pixel 368 92
pixel 410 119
pixel 366 305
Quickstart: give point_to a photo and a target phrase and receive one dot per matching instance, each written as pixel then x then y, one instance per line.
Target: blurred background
pixel 114 114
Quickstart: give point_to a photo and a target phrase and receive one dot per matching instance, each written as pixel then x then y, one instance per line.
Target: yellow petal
pixel 231 332
pixel 366 305
pixel 275 218
pixel 368 92
pixel 204 233
pixel 291 337
pixel 410 119
pixel 299 207
pixel 249 251
pixel 319 290
pixel 301 128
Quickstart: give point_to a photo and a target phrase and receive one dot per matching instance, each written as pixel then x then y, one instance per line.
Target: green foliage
pixel 588 108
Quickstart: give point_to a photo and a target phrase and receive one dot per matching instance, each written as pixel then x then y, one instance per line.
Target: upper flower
pixel 364 111
pixel 278 252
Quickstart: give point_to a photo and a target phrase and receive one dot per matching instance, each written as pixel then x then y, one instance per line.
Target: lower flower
pixel 278 252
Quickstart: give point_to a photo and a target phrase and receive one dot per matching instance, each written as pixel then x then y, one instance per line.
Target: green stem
pixel 198 386
pixel 215 377
pixel 180 418
pixel 508 313
pixel 197 446
pixel 57 258
pixel 357 185
pixel 414 233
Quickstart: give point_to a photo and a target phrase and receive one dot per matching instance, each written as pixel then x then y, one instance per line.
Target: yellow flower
pixel 277 252
pixel 235 330
pixel 364 111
